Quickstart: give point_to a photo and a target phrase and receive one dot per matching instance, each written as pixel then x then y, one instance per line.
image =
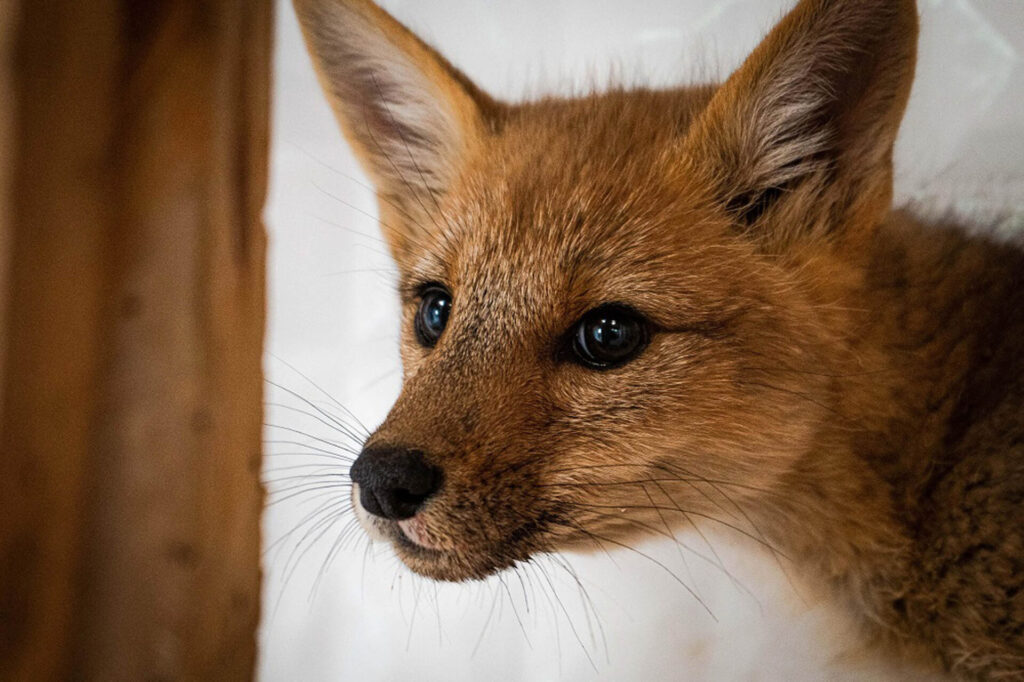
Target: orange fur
pixel 845 376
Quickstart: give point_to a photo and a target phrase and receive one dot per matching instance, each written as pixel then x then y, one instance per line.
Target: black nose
pixel 394 483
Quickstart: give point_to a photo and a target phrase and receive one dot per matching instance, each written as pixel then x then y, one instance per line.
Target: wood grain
pixel 132 385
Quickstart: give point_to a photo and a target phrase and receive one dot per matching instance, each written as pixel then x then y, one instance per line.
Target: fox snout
pixel 395 482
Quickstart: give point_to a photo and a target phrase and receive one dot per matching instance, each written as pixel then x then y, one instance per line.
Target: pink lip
pixel 416 530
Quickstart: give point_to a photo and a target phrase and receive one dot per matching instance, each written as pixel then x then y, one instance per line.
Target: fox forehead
pixel 556 264
pixel 573 203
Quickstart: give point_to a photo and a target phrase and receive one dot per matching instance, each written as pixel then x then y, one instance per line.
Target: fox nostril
pixel 394 483
pixel 369 501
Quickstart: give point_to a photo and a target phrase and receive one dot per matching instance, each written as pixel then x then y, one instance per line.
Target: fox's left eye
pixel 609 336
pixel 432 315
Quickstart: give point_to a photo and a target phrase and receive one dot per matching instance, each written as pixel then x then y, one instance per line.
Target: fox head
pixel 619 311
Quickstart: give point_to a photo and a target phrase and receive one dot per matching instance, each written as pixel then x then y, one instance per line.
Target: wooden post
pixel 131 326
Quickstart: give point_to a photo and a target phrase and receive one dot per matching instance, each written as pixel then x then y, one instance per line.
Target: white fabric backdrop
pixel 357 614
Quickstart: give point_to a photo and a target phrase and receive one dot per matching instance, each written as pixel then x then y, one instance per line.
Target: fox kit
pixel 646 304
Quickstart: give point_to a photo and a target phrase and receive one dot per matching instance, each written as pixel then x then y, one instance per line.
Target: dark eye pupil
pixel 437 314
pixel 608 336
pixel 609 333
pixel 432 316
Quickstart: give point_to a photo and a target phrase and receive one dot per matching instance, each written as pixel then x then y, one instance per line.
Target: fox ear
pixel 799 139
pixel 409 115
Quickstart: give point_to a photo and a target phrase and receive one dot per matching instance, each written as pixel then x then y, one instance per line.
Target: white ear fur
pixel 781 142
pixel 821 98
pixel 409 115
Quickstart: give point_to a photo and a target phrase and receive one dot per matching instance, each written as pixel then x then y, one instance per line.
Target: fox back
pixel 642 305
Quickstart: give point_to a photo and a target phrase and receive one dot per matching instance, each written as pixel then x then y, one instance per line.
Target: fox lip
pixel 408 533
pixel 409 541
pixel 400 538
pixel 414 530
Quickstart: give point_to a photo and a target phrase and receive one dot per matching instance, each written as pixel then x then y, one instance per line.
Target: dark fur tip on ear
pixel 814 110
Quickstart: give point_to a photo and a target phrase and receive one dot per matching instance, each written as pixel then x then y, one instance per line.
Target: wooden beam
pixel 132 385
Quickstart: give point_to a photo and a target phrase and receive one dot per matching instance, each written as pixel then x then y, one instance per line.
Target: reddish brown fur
pixel 847 376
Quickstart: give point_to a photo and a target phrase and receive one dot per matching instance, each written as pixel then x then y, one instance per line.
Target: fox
pixel 645 304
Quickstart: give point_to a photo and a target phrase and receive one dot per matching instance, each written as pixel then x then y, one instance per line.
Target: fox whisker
pixel 332 399
pixel 393 204
pixel 597 538
pixel 362 433
pixel 340 458
pixel 331 424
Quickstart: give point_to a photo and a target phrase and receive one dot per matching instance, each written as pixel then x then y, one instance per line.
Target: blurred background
pixel 708 608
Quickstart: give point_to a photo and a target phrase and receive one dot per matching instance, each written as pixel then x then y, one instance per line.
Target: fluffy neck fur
pixel 924 381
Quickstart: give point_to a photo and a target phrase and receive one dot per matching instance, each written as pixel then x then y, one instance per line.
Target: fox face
pixel 623 312
pixel 577 354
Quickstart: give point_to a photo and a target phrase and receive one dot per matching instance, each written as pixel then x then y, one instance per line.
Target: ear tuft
pixel 813 112
pixel 409 115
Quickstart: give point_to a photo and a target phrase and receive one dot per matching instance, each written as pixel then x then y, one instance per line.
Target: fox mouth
pixel 395 533
pixel 415 547
pixel 400 537
pixel 444 564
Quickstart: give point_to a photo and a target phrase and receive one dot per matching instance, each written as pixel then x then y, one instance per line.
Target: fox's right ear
pixel 409 115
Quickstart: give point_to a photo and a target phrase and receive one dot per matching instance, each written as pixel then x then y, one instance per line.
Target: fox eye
pixel 608 336
pixel 432 315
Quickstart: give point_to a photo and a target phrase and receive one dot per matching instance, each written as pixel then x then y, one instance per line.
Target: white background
pixel 333 317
